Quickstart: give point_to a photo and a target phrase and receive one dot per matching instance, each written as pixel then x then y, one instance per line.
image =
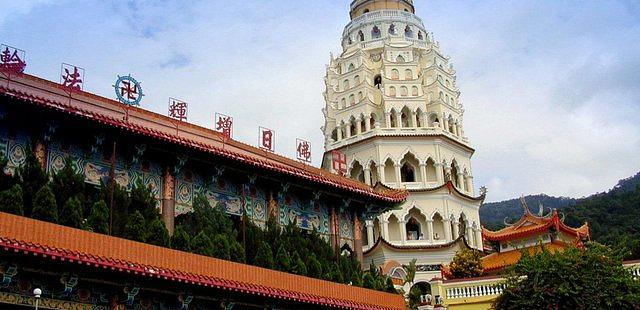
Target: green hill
pixel 613 216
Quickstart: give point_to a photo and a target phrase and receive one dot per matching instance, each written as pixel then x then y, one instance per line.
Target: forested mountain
pixel 613 216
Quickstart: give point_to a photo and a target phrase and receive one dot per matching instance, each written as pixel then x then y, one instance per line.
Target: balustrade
pixel 475 290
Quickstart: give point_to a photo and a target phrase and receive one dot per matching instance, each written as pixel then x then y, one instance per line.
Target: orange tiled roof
pixel 102 110
pixel 497 260
pixel 26 236
pixel 530 225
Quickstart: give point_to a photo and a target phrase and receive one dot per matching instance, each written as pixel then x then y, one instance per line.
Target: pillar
pixel 447 174
pixel 425 120
pixel 460 181
pixel 423 174
pixel 381 175
pixel 370 240
pixel 358 125
pixel 469 236
pixel 168 201
pixel 430 230
pixel 469 180
pixel 398 174
pixel 387 118
pixel 357 237
pixel 335 229
pixel 348 130
pixel 398 117
pixel 384 229
pixel 339 132
pixel 445 122
pixel 414 119
pixel 447 229
pixel 456 230
pixel 367 124
pixel 403 231
pixel 479 238
pixel 439 173
pixel 367 175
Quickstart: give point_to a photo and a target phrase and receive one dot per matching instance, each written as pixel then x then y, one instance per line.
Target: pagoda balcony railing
pixel 384 15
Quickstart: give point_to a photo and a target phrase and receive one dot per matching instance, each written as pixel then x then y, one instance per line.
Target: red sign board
pixel 267 139
pixel 303 150
pixel 71 77
pixel 178 109
pixel 224 125
pixel 339 162
pixel 12 60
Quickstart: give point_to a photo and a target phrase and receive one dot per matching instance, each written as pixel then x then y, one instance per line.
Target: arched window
pixel 438 227
pixel 420 37
pixel 346 85
pixel 363 124
pixel 356 80
pixel 352 125
pixel 343 103
pixel 365 11
pixel 407 173
pixel 413 229
pixel 408 32
pixel 377 80
pixel 392 29
pixel 462 225
pixel 433 120
pixel 431 171
pixel 389 171
pixel 351 67
pixel 400 59
pixel 334 135
pixel 404 117
pixel 419 119
pixel 393 118
pixel 357 172
pixel 373 169
pixel 454 174
pixel 395 74
pixel 360 96
pixel 360 36
pixel 414 91
pixel 408 74
pixel 404 91
pixel 392 91
pixel 372 121
pixel 352 99
pixel 375 32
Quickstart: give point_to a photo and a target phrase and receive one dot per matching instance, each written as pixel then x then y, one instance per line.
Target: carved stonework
pixel 41 154
pixel 169 188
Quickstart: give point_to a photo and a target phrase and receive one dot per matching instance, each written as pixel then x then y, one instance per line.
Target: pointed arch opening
pixel 454 174
pixel 404 91
pixel 392 91
pixel 377 81
pixel 431 171
pixel 360 36
pixel 372 121
pixel 438 227
pixel 394 230
pixel 390 171
pixel 395 74
pixel 408 32
pixel 357 172
pixel 433 120
pixel 373 171
pixel 409 169
pixel 408 74
pixel 400 59
pixel 414 91
pixel 334 135
pixel 393 119
pixel 419 116
pixel 415 224
pixel 462 225
pixel 375 32
pixel 392 29
pixel 405 114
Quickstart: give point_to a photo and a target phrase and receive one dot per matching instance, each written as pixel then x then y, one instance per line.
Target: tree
pixel 593 278
pixel 314 269
pixel 44 205
pixel 11 200
pixel 264 256
pixel 136 228
pixel 283 260
pixel 411 272
pixel 158 234
pixel 67 183
pixel 181 240
pixel 142 200
pixel 71 213
pixel 32 178
pixel 6 179
pixel 201 244
pixel 98 219
pixel 466 264
pixel 299 267
pixel 389 287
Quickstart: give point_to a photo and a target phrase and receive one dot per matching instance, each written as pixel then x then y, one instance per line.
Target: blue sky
pixel 551 88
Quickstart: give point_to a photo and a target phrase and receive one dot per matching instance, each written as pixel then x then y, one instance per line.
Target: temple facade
pixel 393 108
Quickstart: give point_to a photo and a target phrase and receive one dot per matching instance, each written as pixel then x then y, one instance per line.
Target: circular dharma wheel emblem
pixel 128 90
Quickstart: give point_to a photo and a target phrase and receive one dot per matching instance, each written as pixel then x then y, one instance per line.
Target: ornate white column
pixel 398 117
pixel 398 174
pixel 460 181
pixel 456 230
pixel 384 227
pixel 387 118
pixel 348 130
pixel 445 122
pixel 447 229
pixel 403 232
pixel 439 173
pixel 447 172
pixel 479 238
pixel 339 132
pixel 367 175
pixel 469 236
pixel 367 124
pixel 414 119
pixel 469 180
pixel 370 240
pixel 358 125
pixel 381 175
pixel 424 120
pixel 423 174
pixel 430 230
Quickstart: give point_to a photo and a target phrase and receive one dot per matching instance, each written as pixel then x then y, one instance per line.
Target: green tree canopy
pixel 98 219
pixel 180 239
pixel 67 183
pixel 466 264
pixel 71 213
pixel 44 205
pixel 593 278
pixel 136 228
pixel 264 256
pixel 158 233
pixel 11 200
pixel 32 178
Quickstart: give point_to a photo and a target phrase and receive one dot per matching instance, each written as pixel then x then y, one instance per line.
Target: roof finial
pixel 523 202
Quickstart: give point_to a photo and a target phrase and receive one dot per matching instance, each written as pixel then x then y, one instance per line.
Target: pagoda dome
pixel 360 7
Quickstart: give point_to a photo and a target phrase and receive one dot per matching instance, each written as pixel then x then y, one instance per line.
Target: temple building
pixel 531 233
pixel 394 110
pixel 106 140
